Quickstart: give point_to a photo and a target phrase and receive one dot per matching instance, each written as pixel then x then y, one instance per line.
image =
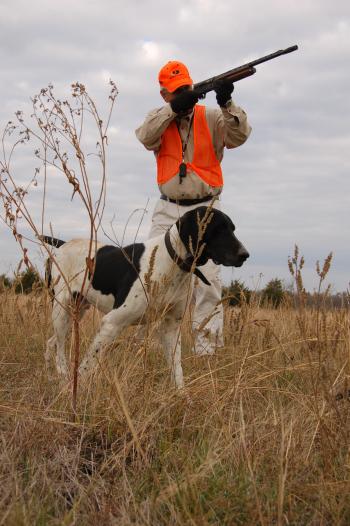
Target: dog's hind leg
pixel 50 349
pixel 61 320
pixel 171 340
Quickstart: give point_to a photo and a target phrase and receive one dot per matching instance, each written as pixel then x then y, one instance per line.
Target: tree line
pixel 23 282
pixel 274 294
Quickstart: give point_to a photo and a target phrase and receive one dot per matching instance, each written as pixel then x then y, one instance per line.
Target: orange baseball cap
pixel 174 75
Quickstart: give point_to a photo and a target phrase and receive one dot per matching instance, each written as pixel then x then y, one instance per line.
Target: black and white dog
pixel 118 288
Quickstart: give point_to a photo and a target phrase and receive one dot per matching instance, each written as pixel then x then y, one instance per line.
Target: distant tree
pixel 26 281
pixel 5 282
pixel 238 293
pixel 274 292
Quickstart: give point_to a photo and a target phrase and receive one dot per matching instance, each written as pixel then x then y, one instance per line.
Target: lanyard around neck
pixel 185 142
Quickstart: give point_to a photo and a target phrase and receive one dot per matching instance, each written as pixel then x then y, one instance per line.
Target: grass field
pixel 260 434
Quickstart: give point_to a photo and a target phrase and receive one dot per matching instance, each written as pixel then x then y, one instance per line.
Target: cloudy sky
pixel 289 183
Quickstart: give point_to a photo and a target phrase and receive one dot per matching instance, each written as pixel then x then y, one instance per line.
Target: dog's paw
pixel 62 368
pixel 209 351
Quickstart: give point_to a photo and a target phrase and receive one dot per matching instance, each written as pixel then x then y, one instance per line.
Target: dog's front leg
pixel 111 325
pixel 171 341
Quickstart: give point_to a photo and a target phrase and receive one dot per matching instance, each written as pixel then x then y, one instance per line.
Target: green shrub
pixel 5 282
pixel 237 292
pixel 27 280
pixel 274 292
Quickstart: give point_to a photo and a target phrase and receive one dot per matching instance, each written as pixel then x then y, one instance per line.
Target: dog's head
pixel 208 233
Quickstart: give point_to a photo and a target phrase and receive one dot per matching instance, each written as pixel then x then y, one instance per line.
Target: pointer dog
pixel 117 287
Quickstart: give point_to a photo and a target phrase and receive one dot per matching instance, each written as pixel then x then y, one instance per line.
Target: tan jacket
pixel 228 127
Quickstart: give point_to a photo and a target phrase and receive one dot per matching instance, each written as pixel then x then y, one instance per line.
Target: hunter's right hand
pixel 185 101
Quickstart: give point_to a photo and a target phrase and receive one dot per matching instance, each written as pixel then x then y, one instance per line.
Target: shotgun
pixel 239 73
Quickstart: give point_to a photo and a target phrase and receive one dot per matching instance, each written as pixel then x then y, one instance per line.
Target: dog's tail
pixel 53 241
pixel 48 276
pixel 57 243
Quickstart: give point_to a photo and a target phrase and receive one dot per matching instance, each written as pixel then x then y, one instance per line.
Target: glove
pixel 223 90
pixel 184 101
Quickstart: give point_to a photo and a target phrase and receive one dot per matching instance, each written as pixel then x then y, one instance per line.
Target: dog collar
pixel 183 264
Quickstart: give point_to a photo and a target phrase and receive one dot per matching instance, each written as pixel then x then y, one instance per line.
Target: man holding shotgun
pixel 188 140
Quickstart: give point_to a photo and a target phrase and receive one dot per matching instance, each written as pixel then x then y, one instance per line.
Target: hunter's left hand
pixel 223 90
pixel 184 102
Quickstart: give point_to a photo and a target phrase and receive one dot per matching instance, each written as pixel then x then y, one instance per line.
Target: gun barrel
pixel 290 49
pixel 240 72
pixel 272 55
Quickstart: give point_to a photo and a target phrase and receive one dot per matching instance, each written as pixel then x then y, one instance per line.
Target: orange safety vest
pixel 205 163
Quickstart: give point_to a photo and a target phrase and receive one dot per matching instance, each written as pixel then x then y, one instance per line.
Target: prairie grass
pixel 260 434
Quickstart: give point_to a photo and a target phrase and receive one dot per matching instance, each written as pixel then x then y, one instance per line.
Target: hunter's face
pixel 168 97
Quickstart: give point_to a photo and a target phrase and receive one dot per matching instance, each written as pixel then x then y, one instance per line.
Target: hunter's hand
pixel 184 101
pixel 223 90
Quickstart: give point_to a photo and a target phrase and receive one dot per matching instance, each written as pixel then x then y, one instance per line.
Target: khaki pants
pixel 206 297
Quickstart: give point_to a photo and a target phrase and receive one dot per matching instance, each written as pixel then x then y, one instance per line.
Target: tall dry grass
pixel 259 436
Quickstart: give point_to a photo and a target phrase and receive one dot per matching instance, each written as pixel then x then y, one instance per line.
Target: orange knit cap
pixel 174 75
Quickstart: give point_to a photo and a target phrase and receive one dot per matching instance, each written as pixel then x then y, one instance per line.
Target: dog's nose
pixel 243 254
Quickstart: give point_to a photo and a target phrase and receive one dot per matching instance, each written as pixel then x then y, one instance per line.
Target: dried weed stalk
pixel 58 130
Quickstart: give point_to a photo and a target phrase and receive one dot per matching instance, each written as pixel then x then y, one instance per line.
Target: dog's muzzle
pixel 242 256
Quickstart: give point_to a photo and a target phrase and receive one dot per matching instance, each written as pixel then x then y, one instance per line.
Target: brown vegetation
pixel 260 434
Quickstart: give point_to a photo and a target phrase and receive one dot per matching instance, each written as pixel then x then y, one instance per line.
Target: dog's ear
pixel 216 222
pixel 192 228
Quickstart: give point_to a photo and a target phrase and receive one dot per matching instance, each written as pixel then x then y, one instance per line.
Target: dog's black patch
pixel 116 270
